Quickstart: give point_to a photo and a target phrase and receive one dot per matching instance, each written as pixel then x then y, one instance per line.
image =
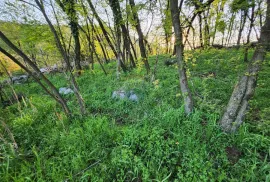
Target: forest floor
pixel 149 140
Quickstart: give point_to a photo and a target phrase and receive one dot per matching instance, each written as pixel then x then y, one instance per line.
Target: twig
pixel 90 166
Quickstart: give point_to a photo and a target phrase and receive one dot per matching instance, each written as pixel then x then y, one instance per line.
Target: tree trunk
pixel 105 33
pixel 188 102
pixel 52 91
pixel 200 30
pixel 242 25
pixel 117 21
pixel 140 34
pixel 206 29
pixel 230 28
pixel 252 19
pixel 68 7
pixel 127 43
pixel 245 88
pixel 64 55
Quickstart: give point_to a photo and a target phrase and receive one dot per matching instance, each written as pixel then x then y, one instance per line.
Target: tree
pixel 68 7
pixel 237 106
pixel 48 86
pixel 63 52
pixel 175 13
pixel 140 34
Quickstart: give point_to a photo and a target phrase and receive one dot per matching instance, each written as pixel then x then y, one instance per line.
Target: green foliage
pixel 243 5
pixel 152 140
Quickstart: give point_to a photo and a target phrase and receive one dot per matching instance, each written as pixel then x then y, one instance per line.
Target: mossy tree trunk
pixel 244 90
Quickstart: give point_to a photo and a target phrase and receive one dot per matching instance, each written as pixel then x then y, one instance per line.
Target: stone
pixel 20 79
pixel 65 90
pixel 122 94
pixel 44 70
pixel 133 96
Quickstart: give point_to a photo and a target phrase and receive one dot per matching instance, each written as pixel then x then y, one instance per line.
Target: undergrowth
pixel 152 140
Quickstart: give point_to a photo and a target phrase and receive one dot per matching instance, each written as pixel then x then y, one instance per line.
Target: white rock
pixel 65 91
pixel 121 94
pixel 19 79
pixel 133 97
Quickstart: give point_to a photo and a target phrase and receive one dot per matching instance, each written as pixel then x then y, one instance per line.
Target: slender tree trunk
pixel 242 25
pixel 127 43
pixel 206 29
pixel 188 101
pixel 245 88
pixel 230 29
pixel 52 91
pixel 105 33
pixel 64 55
pixel 10 85
pixel 200 30
pixel 252 19
pixel 89 37
pixel 140 34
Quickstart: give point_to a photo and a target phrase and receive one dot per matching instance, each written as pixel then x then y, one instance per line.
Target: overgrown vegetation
pixel 152 140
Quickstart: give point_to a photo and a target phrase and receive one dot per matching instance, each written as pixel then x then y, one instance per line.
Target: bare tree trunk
pixel 188 101
pixel 252 19
pixel 64 55
pixel 52 91
pixel 242 25
pixel 245 88
pixel 140 34
pixel 230 29
pixel 105 33
pixel 10 84
pixel 200 30
pixel 127 43
pixel 206 29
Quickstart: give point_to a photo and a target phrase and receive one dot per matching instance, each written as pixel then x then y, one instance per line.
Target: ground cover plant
pixel 149 140
pixel 135 90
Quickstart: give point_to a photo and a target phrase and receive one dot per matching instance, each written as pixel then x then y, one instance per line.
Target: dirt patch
pixel 233 154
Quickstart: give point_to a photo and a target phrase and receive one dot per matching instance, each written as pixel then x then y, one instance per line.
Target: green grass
pixel 152 140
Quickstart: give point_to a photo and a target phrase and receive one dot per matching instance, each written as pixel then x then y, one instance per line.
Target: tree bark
pixel 52 91
pixel 140 34
pixel 65 57
pixel 242 25
pixel 252 19
pixel 105 33
pixel 117 22
pixel 68 7
pixel 236 109
pixel 188 101
pixel 200 30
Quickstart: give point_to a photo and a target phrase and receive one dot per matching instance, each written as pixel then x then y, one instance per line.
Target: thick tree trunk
pixel 180 61
pixel 140 34
pixel 245 88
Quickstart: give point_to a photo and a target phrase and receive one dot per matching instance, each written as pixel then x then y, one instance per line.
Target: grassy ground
pixel 152 140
